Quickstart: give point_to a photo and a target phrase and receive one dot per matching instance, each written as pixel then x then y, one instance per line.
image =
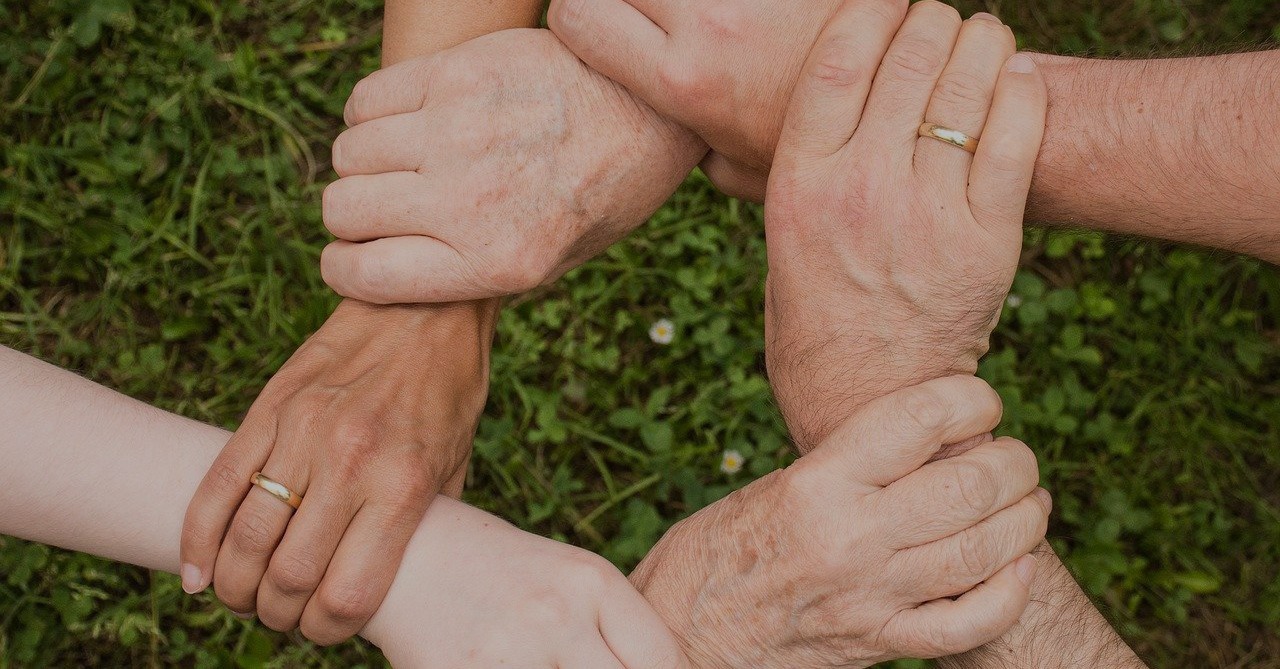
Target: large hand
pixel 490 169
pixel 474 591
pixel 890 271
pixel 368 420
pixel 850 556
pixel 723 68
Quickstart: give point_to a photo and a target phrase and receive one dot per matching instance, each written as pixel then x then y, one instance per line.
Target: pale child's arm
pixel 88 469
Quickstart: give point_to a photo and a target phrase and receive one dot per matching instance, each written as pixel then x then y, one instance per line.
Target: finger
pixel 906 79
pixel 1006 158
pixel 361 208
pixel 949 496
pixel 946 627
pixel 399 89
pixel 636 634
pixel 298 564
pixel 894 435
pixel 361 571
pixel 401 270
pixel 733 179
pixel 387 144
pixel 219 495
pixel 255 532
pixel 963 98
pixel 961 561
pixel 588 655
pixel 828 100
pixel 617 40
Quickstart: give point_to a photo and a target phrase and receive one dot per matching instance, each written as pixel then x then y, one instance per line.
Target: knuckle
pixel 274 621
pixel 800 483
pixel 252 533
pixel 973 557
pixel 415 488
pixel 520 272
pixel 369 274
pixel 546 608
pixel 568 17
pixel 459 74
pixel 1025 463
pixel 992 405
pixel 226 478
pixel 923 410
pixel 356 432
pixel 294 576
pixel 684 84
pixel 990 31
pixel 835 64
pixel 353 110
pixel 589 573
pixel 947 639
pixel 723 21
pixel 347 603
pixel 939 11
pixel 963 91
pixel 974 485
pixel 916 59
pixel 340 155
pixel 334 207
pixel 1004 158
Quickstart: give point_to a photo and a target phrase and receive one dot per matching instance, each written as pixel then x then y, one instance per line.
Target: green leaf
pixel 658 436
pixel 626 418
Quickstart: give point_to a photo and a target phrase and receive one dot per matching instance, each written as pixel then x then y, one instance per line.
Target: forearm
pixel 91 470
pixel 1179 149
pixel 418 27
pixel 1060 629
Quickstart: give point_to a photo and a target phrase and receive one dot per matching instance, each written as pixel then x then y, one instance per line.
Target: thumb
pixel 895 435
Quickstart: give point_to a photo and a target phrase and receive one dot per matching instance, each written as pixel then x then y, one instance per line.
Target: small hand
pixel 368 420
pixel 853 554
pixel 474 591
pixel 490 169
pixel 890 254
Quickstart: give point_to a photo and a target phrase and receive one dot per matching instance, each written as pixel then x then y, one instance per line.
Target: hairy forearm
pixel 1177 149
pixel 1060 629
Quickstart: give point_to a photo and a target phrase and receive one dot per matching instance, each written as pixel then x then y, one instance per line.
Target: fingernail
pixel 1045 498
pixel 243 616
pixel 983 16
pixel 192 579
pixel 1026 569
pixel 1020 63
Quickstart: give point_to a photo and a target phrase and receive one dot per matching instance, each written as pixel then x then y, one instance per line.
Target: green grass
pixel 160 172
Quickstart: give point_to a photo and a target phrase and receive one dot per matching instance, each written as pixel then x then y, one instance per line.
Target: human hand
pixel 884 273
pixel 723 68
pixel 368 420
pixel 849 556
pixel 490 169
pixel 474 591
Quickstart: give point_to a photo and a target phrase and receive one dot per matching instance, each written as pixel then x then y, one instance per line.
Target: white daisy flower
pixel 662 332
pixel 1014 301
pixel 731 462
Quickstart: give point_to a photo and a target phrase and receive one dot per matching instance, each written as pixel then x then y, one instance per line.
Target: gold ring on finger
pixel 277 490
pixel 950 136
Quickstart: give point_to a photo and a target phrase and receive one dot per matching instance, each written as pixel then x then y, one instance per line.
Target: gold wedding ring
pixel 277 490
pixel 952 137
